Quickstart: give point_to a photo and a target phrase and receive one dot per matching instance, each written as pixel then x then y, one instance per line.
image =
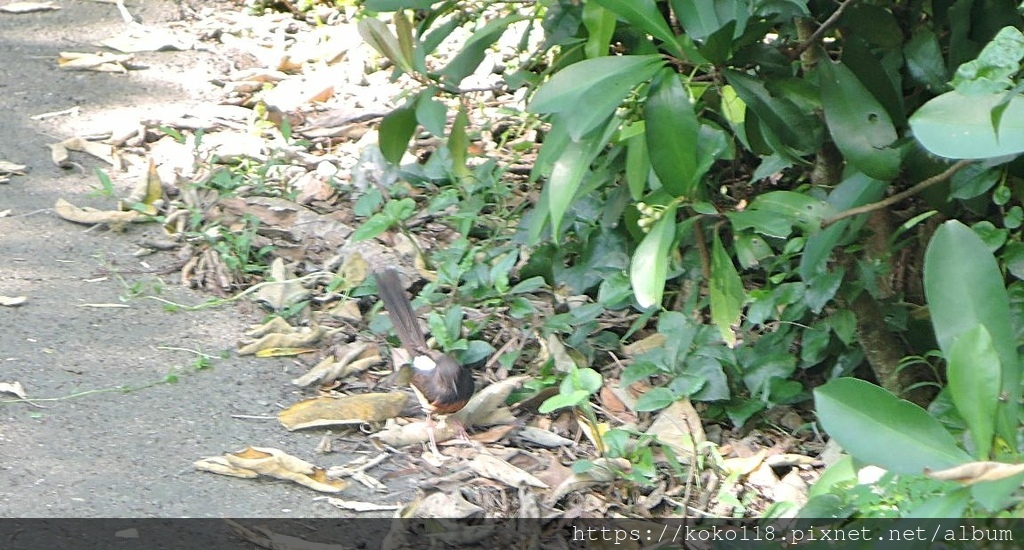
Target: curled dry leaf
pixel 414 433
pixel 283 352
pixel 353 409
pixel 277 325
pixel 976 472
pixel 354 358
pixel 101 62
pixel 12 301
pixel 543 438
pixel 220 465
pixel 92 216
pixel 488 400
pixel 306 336
pixel 60 156
pixel 275 463
pixel 8 169
pixel 497 469
pixel 284 291
pixel 146 193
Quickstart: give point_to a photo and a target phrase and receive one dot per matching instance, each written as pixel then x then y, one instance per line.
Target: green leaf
pixel 995 66
pixel 588 92
pixel 377 224
pixel 924 60
pixel 964 289
pixel 587 379
pixel 672 124
pixel 395 131
pixel 973 180
pixel 726 291
pixel 649 266
pixel 562 400
pixel 475 49
pixel 638 165
pixel 949 505
pixel 567 174
pixel 794 128
pixel 855 190
pixel 644 15
pixel 974 381
pixel 654 400
pixel 392 5
pixel 871 424
pixel 431 114
pixel 600 24
pixel 859 124
pixel 458 144
pixel 380 38
pixel 954 125
pixel 702 18
pixel 788 208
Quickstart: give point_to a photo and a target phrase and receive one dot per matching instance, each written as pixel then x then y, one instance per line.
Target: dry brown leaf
pixel 440 505
pixel 220 465
pixel 283 352
pixel 61 157
pixel 603 470
pixel 28 7
pixel 652 342
pixel 12 301
pixel 285 291
pixel 976 472
pixel 494 468
pixel 542 437
pixel 277 325
pixel 347 310
pixel 414 433
pixel 306 336
pixel 352 359
pixel 146 193
pixel 103 62
pixel 353 409
pixel 488 400
pixel 275 463
pixel 744 465
pixel 679 427
pixel 8 169
pixel 92 216
pixel 492 435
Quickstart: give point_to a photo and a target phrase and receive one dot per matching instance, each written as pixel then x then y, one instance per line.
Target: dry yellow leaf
pixel 332 411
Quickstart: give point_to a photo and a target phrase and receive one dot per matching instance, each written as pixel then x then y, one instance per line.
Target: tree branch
pixel 828 24
pixel 889 201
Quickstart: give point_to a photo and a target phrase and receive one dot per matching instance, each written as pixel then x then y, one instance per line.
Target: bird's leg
pixel 459 429
pixel 432 437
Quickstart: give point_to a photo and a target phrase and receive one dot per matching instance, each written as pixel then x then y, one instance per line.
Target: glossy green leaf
pixel 974 382
pixel 964 288
pixel 600 24
pixel 672 125
pixel 564 400
pixel 949 505
pixel 380 38
pixel 954 125
pixel 794 127
pixel 702 18
pixel 588 92
pixel 870 424
pixel 726 290
pixel 644 15
pixel 794 208
pixel 874 24
pixel 855 190
pixel 973 180
pixel 474 49
pixel 403 31
pixel 395 131
pixel 649 266
pixel 859 124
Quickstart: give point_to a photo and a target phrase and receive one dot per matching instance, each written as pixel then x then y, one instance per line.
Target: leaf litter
pixel 228 194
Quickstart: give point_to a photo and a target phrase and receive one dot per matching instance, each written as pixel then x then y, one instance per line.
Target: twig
pixel 829 23
pixel 889 201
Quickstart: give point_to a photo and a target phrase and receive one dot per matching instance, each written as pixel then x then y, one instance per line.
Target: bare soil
pixel 120 453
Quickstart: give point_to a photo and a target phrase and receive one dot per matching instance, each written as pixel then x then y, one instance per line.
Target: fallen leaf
pixel 304 337
pixel 146 193
pixel 353 358
pixel 544 438
pixel 274 463
pixel 976 472
pixel 92 216
pixel 13 388
pixel 283 352
pixel 284 292
pixel 353 409
pixel 103 62
pixel 12 301
pixel 678 426
pixel 499 470
pixel 28 7
pixel 602 471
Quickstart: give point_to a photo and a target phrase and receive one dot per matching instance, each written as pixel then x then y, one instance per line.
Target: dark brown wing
pixel 400 311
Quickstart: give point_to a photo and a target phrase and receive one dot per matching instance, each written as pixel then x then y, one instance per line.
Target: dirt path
pixel 114 453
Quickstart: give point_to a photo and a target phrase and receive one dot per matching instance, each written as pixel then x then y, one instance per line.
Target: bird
pixel 441 384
